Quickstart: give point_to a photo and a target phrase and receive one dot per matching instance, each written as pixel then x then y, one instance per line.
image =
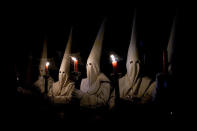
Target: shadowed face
pixel 92 72
pixel 42 71
pixel 62 76
pixel 133 67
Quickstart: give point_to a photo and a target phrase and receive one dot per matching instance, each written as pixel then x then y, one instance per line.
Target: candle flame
pixel 74 59
pixel 113 58
pixel 47 63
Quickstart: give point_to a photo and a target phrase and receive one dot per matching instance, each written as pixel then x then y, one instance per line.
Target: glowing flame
pixel 47 63
pixel 114 63
pixel 75 63
pixel 74 59
pixel 46 67
pixel 113 58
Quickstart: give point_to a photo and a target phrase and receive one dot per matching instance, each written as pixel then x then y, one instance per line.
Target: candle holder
pixel 76 77
pixel 115 83
pixel 46 77
pixel 46 83
pixel 115 78
pixel 162 87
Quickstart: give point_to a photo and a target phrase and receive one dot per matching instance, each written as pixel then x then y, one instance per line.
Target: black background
pixel 33 26
pixel 30 25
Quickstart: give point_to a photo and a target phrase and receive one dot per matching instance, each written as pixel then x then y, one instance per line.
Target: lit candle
pixel 75 63
pixel 114 63
pixel 47 67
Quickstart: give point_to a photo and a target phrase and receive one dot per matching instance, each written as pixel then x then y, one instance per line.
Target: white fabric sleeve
pixel 100 98
pixel 150 93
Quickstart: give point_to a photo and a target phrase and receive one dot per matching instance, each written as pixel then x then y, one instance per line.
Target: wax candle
pixel 114 64
pixel 75 64
pixel 47 67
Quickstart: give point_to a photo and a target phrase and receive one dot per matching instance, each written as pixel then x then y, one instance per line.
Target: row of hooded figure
pixel 96 90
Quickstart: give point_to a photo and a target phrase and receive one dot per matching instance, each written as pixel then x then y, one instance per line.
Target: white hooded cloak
pixel 132 85
pixel 62 89
pixel 40 83
pixel 171 48
pixel 95 89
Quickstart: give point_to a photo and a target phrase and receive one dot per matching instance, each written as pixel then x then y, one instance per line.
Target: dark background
pixel 33 26
pixel 29 26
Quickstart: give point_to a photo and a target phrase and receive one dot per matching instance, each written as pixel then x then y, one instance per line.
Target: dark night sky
pixel 31 27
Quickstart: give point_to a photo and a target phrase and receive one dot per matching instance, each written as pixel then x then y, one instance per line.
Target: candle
pixel 114 64
pixel 164 61
pixel 46 67
pixel 75 68
pixel 75 63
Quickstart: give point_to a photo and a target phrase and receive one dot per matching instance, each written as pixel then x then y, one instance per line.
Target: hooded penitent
pixel 95 89
pixel 40 83
pixel 65 65
pixel 62 89
pixel 132 85
pixel 133 61
pixel 93 62
pixel 171 48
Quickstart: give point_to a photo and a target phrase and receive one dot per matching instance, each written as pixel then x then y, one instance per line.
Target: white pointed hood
pixel 65 65
pixel 171 46
pixel 43 59
pixel 93 62
pixel 133 60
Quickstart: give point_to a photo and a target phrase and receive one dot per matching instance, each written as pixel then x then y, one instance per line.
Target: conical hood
pixel 65 65
pixel 132 63
pixel 93 62
pixel 95 53
pixel 171 45
pixel 133 53
pixel 43 59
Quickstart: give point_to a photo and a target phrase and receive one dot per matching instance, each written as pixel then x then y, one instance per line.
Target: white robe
pixel 132 86
pixel 97 95
pixel 144 89
pixel 61 95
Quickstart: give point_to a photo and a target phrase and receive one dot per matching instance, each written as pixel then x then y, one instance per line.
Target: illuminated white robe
pixel 95 90
pixel 61 95
pixel 144 89
pixel 133 85
pixel 61 90
pixel 96 95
